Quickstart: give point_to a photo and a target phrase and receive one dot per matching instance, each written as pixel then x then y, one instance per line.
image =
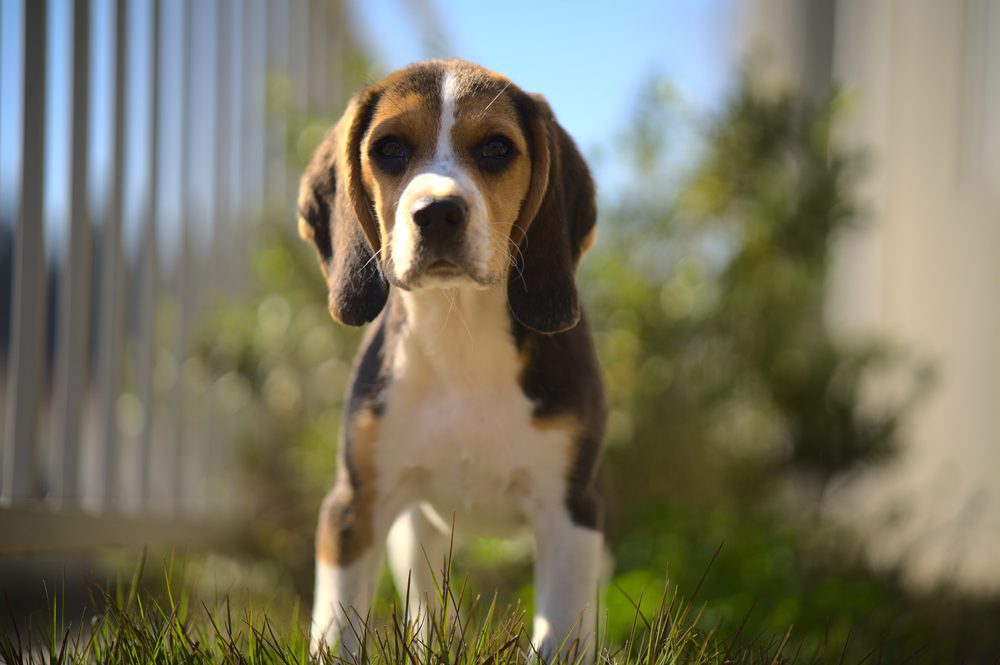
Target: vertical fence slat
pixel 244 159
pixel 149 264
pixel 28 331
pixel 279 25
pixel 74 306
pixel 112 306
pixel 223 37
pixel 225 164
pixel 215 262
pixel 236 178
pixel 319 81
pixel 228 166
pixel 201 285
pixel 336 35
pixel 255 46
pixel 298 76
pixel 183 265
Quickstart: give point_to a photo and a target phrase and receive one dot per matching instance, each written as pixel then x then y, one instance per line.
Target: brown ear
pixel 555 224
pixel 336 215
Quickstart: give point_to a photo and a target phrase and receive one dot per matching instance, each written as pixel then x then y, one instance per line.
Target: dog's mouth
pixel 443 268
pixel 442 273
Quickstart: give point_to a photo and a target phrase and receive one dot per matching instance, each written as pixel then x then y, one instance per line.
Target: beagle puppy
pixel 449 208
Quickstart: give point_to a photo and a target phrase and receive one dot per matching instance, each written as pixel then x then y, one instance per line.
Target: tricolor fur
pixel 450 208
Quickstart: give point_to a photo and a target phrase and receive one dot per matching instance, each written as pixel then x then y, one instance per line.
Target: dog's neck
pixel 460 334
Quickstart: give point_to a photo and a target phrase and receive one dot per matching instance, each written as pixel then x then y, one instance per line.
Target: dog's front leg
pixel 567 568
pixel 348 555
pixel 418 558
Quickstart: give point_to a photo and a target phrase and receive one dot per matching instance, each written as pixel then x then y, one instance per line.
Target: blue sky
pixel 588 58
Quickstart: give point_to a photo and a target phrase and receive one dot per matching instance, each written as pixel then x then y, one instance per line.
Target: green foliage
pixel 717 313
pixel 771 571
pixel 291 362
pixel 776 181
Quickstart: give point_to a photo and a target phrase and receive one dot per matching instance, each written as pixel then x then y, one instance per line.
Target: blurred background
pixel 795 294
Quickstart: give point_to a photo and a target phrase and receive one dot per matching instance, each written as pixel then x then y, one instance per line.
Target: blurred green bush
pixel 710 294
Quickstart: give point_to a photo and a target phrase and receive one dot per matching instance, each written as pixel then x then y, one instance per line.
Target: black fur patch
pixel 562 378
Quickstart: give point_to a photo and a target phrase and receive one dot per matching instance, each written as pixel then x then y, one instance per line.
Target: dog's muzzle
pixel 441 224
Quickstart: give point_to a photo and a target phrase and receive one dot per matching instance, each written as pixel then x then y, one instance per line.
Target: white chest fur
pixel 458 431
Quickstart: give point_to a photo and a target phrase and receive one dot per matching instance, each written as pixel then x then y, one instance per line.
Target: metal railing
pixel 135 149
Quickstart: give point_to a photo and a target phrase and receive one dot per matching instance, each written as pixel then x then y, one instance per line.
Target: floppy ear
pixel 336 215
pixel 554 227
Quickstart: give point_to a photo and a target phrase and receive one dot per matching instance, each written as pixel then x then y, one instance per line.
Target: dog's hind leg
pixel 419 545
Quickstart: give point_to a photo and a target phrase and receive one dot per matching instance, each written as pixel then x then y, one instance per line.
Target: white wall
pixel 924 76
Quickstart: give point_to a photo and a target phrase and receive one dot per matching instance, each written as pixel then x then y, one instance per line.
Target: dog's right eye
pixel 391 154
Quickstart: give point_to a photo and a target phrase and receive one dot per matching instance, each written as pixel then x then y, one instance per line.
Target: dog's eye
pixel 392 149
pixel 495 153
pixel 496 147
pixel 391 154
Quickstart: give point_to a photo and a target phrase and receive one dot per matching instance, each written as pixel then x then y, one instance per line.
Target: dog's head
pixel 445 174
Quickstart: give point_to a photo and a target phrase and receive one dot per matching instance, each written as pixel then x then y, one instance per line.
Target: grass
pixel 218 610
pixel 128 624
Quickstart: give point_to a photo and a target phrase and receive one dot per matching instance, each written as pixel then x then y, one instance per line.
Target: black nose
pixel 440 217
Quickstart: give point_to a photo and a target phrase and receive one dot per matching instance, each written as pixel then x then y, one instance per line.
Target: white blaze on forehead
pixel 442 176
pixel 449 93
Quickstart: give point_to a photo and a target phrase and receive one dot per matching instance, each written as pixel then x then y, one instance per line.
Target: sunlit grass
pixel 131 625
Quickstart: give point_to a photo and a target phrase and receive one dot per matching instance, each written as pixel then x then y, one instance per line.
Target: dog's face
pixel 445 174
pixel 447 163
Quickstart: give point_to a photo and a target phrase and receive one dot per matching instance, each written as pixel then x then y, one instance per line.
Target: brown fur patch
pixel 306 231
pixel 335 216
pixel 345 521
pixel 565 422
pixel 413 117
pixel 558 213
pixel 481 114
pixel 588 241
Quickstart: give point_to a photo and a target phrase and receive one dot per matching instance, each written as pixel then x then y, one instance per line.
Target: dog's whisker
pixel 502 248
pixel 502 244
pixel 487 108
pixel 375 255
pixel 461 318
pixel 453 307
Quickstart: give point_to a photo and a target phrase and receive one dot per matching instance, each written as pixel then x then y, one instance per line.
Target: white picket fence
pixel 136 151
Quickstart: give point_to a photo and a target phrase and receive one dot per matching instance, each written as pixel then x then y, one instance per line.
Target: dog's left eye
pixel 495 153
pixel 496 147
